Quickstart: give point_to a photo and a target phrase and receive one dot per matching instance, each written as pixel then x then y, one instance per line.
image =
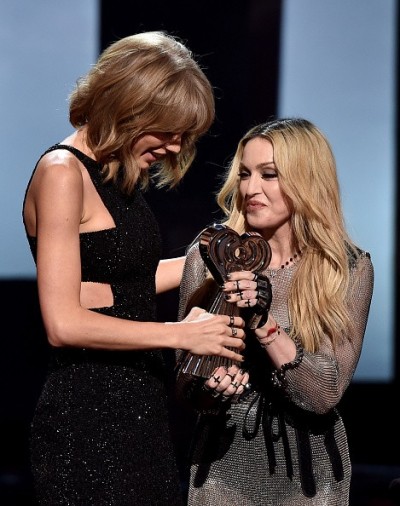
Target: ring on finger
pixel 237 286
pixel 231 321
pixel 248 302
pixel 215 393
pixel 241 295
pixel 230 375
pixel 234 331
pixel 216 379
pixel 234 384
pixel 255 277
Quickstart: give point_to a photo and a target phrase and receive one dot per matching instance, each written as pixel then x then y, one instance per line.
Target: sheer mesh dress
pixel 285 443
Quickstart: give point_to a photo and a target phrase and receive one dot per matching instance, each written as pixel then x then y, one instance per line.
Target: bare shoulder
pixel 57 168
pixel 60 159
pixel 56 181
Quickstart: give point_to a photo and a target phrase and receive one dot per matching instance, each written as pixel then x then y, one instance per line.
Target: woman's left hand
pixel 241 288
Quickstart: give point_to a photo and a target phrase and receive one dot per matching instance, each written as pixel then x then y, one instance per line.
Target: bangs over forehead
pixel 181 105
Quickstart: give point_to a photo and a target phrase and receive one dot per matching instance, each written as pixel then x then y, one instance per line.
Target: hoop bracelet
pixel 267 343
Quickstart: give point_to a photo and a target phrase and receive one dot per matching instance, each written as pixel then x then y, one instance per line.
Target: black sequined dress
pixel 100 433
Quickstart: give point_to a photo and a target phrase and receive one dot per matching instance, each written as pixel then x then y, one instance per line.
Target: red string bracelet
pixel 271 330
pixel 278 332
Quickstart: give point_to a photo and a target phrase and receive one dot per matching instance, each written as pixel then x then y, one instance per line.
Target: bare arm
pixel 169 274
pixel 58 200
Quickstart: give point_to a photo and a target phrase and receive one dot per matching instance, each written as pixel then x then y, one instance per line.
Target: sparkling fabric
pixel 100 433
pixel 285 443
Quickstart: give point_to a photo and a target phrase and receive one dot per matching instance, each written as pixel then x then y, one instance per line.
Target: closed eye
pixel 265 175
pixel 269 175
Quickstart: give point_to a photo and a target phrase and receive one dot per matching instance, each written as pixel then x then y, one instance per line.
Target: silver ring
pixel 234 331
pixel 215 393
pixel 231 321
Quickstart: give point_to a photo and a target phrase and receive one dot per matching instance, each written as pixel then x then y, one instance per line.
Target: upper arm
pixel 57 193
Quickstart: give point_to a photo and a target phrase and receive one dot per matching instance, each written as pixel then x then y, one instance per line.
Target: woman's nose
pixel 254 184
pixel 174 144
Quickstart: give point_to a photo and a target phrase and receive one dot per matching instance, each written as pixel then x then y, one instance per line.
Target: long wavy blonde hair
pixel 147 82
pixel 308 179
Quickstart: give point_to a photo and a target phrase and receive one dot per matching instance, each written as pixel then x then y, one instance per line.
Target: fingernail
pixel 228 276
pixel 227 296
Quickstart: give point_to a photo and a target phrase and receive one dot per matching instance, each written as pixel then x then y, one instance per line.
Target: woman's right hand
pixel 227 382
pixel 203 333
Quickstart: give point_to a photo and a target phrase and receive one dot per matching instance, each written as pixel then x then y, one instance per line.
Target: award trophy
pixel 223 251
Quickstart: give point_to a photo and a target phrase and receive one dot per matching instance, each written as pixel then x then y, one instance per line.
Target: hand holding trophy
pixel 224 251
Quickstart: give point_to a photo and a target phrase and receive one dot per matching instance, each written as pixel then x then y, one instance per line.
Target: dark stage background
pixel 223 34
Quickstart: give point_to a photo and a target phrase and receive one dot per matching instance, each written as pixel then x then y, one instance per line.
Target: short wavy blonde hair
pixel 308 179
pixel 147 82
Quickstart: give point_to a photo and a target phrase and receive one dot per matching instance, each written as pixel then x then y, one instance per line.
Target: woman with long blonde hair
pixel 278 439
